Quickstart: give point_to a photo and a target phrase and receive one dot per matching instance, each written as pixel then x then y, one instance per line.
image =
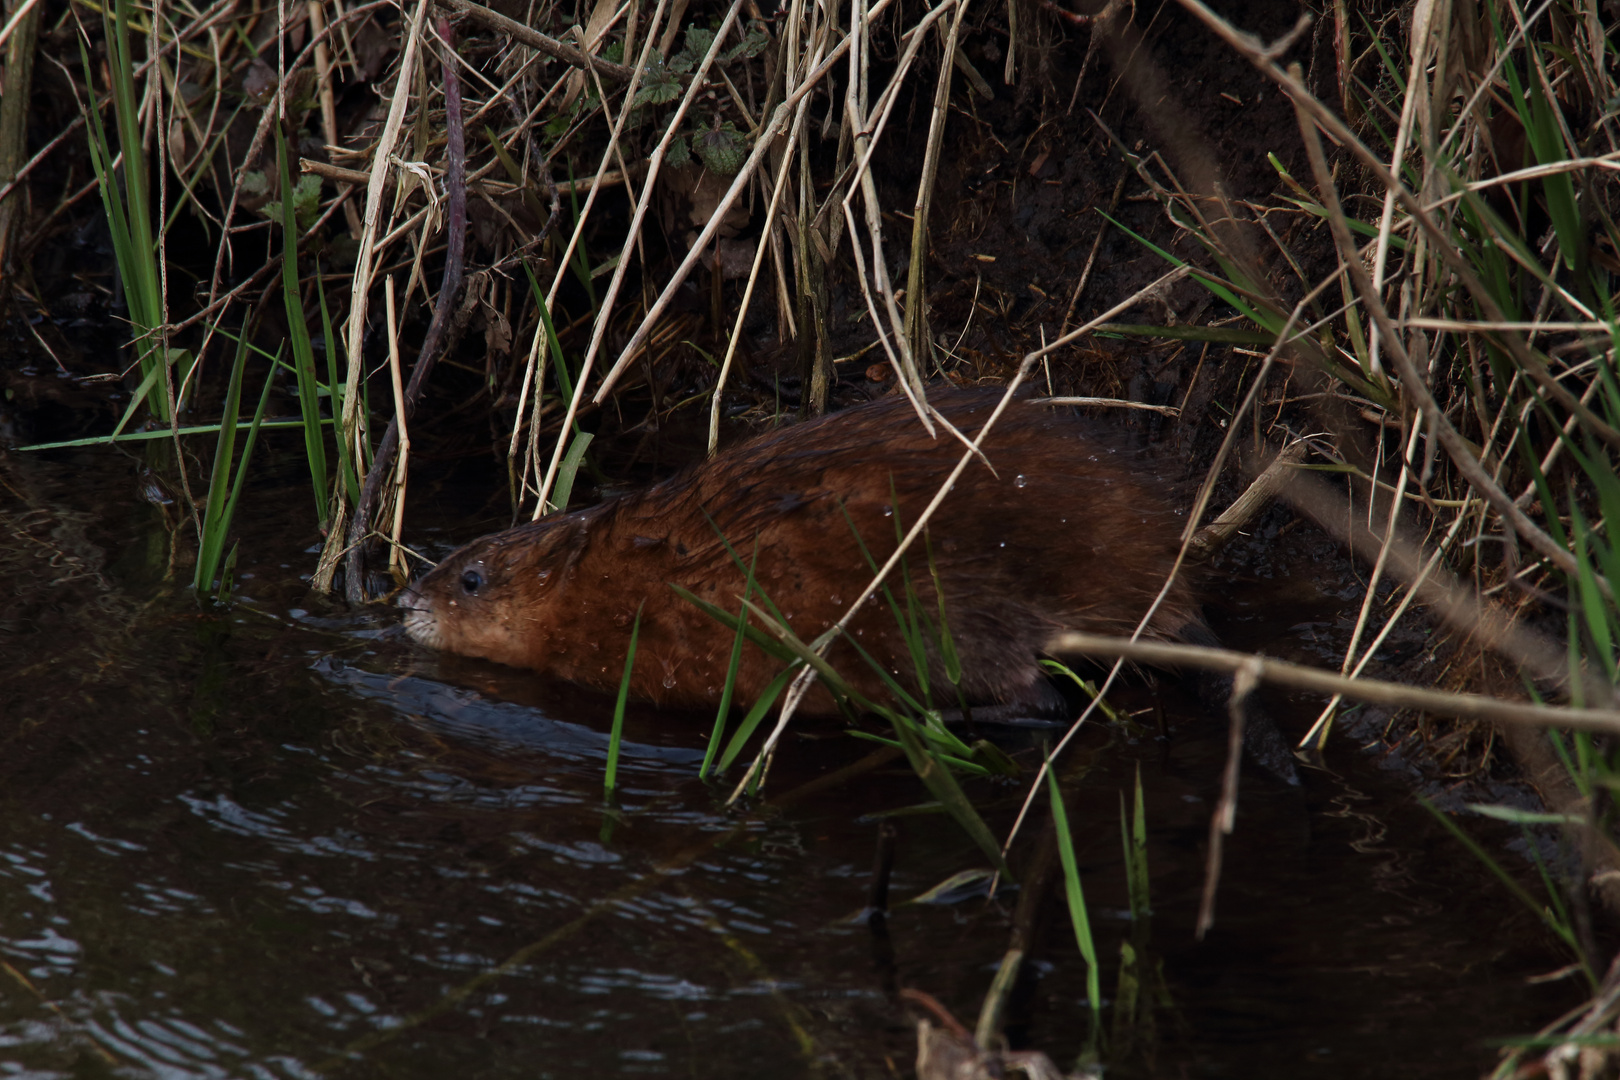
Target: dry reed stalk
pixel 1371 691
pixel 1245 679
pixel 655 163
pixel 565 259
pixel 1451 602
pixel 225 253
pixel 916 321
pixel 542 43
pixel 777 124
pixel 323 73
pixel 864 144
pixel 1412 383
pixel 1319 729
pixel 1370 591
pixel 1291 83
pixel 753 274
pixel 19 35
pixel 455 227
pixel 352 426
pixel 396 557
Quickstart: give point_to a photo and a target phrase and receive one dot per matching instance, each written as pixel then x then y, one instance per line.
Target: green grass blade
pixel 948 656
pixel 731 673
pixel 750 722
pixel 1078 916
pixel 229 513
pixel 335 391
pixel 962 764
pixel 1562 930
pixel 610 777
pixel 1134 839
pixel 126 214
pixel 565 378
pixel 309 400
pixel 568 469
pixel 214 523
pixel 756 635
pixel 582 262
pixel 162 433
pixel 943 786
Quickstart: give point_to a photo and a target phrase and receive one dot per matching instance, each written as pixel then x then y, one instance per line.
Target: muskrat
pixel 1064 529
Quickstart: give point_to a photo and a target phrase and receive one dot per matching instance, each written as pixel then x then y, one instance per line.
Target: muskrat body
pixel 1064 530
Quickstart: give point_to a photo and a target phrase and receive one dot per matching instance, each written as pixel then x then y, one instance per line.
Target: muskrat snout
pixel 420 621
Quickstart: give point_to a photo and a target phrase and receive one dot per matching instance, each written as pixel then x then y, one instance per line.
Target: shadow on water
pixel 272 842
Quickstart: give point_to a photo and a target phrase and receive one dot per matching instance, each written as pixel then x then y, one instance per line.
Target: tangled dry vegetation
pixel 689 205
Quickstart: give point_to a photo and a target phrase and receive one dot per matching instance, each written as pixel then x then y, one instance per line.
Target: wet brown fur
pixel 1068 532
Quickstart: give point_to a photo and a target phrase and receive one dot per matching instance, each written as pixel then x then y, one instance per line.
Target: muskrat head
pixel 490 598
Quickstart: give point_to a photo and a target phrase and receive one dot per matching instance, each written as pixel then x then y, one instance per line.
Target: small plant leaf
pixel 753 43
pixel 678 155
pixel 660 85
pixel 721 148
pixel 698 40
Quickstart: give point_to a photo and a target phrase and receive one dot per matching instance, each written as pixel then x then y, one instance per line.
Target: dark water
pixel 274 843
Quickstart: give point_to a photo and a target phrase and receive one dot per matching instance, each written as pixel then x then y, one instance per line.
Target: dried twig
pixel 1372 691
pixel 455 241
pixel 534 39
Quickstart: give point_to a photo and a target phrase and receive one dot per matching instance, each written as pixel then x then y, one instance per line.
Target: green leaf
pixel 1078 917
pixel 569 468
pixel 750 722
pixel 659 86
pixel 721 148
pixel 254 183
pixel 678 155
pixel 752 45
pixel 611 775
pixel 698 40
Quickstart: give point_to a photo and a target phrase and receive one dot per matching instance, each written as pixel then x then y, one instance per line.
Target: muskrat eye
pixel 471 581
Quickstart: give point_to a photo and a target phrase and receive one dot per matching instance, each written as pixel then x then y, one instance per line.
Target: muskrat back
pixel 1062 530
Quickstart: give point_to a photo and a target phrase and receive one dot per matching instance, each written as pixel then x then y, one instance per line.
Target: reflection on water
pixel 274 842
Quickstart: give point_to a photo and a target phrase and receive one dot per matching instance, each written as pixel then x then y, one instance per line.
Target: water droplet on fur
pixel 1002 544
pixel 621 619
pixel 836 599
pixel 1020 480
pixel 669 681
pixel 888 511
